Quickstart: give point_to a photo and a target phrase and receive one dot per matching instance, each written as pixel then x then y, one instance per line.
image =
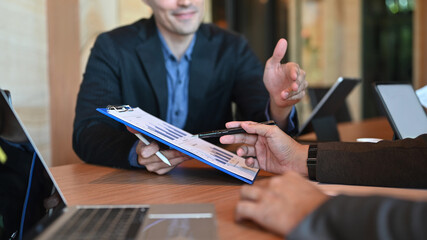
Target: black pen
pixel 228 131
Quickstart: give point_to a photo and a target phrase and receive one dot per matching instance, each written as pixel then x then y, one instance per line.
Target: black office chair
pixel 316 94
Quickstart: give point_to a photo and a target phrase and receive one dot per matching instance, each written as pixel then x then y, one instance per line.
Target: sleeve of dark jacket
pixel 98 139
pixel 374 217
pixel 401 163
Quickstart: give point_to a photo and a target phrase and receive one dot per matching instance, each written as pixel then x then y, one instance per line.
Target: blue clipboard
pixel 180 140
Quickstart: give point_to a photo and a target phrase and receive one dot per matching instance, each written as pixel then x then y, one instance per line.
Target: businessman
pixel 291 206
pixel 182 71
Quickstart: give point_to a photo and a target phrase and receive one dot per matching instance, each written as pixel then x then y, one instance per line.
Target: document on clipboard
pixel 182 141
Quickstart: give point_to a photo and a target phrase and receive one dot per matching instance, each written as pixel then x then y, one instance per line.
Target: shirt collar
pixel 167 52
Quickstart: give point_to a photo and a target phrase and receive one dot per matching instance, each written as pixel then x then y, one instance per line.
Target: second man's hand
pixel 274 150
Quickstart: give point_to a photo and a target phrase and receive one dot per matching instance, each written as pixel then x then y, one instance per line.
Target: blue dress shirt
pixel 177 77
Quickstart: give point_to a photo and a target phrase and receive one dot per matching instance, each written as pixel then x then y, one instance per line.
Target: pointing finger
pixel 238 138
pixel 258 128
pixel 279 51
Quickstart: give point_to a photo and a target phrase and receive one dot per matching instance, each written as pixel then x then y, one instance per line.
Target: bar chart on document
pixel 181 140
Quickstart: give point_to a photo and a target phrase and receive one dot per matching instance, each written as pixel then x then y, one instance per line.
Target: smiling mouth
pixel 185 15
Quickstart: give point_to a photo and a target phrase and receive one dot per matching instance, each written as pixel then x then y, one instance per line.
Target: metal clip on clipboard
pixel 127 108
pixel 120 108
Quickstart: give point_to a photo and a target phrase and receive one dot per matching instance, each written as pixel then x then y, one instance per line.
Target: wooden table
pixel 195 182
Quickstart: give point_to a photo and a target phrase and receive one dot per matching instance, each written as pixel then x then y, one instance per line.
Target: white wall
pixel 23 65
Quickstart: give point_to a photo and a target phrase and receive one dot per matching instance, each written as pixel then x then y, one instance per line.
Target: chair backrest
pixel 317 93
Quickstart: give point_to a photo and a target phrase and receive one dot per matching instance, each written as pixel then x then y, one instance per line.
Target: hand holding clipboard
pixel 146 142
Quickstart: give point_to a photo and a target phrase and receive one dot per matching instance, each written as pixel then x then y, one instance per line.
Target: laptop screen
pixel 27 192
pixel 404 110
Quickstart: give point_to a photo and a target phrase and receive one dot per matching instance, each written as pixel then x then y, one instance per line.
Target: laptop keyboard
pixel 102 223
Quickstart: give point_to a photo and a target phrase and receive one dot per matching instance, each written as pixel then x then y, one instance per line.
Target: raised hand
pixel 285 82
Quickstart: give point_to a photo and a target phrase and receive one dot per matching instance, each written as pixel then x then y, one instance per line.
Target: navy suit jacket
pixel 126 66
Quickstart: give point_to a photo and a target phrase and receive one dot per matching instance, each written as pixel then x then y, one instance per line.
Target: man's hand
pixel 147 156
pixel 285 82
pixel 279 204
pixel 274 150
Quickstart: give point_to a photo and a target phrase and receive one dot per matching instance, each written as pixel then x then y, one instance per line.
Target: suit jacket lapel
pixel 150 55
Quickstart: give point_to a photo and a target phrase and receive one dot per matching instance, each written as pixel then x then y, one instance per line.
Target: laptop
pixel 403 109
pixel 33 207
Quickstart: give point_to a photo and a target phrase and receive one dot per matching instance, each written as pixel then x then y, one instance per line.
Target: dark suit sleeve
pixel 401 163
pixel 96 138
pixel 374 217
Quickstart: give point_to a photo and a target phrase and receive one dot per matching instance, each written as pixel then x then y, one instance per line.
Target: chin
pixel 185 33
pixel 187 30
